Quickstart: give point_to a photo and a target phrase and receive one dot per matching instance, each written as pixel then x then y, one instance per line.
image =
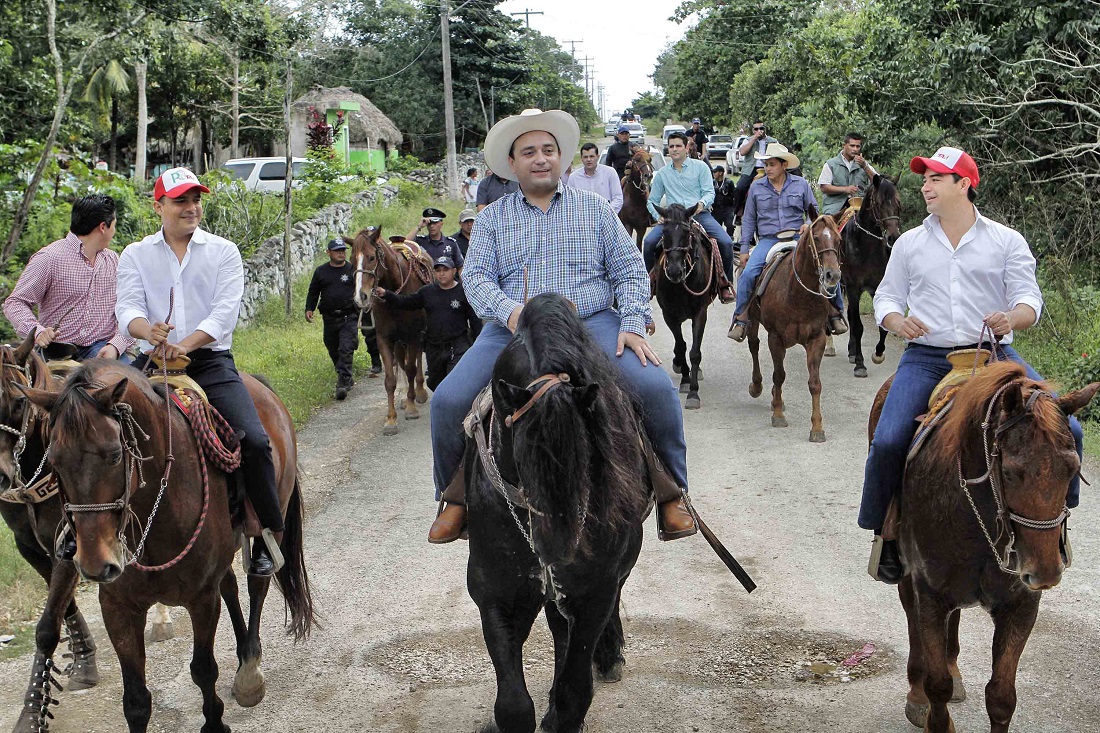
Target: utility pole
pixel 288 285
pixel 585 61
pixel 448 100
pixel 527 13
pixel 573 48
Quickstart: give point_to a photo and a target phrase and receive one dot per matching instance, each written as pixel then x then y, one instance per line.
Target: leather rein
pixel 822 290
pixel 689 253
pixel 881 236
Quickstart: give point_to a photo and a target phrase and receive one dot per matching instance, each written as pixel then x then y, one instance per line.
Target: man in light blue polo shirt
pixel 687 182
pixel 776 204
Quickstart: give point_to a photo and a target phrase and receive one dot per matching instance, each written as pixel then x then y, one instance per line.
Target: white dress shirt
pixel 952 289
pixel 208 286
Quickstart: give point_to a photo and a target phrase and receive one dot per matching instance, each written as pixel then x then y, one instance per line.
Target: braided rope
pixel 216 437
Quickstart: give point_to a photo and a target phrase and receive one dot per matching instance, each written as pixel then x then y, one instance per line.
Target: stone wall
pixel 435 177
pixel 263 272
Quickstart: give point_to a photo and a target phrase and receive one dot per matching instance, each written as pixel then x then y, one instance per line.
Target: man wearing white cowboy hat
pixel 777 203
pixel 548 237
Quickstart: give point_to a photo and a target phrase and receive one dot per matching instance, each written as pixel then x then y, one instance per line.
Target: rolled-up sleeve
pixel 227 297
pixel 1021 287
pixel 478 278
pixel 28 292
pixel 892 294
pixel 626 272
pixel 130 303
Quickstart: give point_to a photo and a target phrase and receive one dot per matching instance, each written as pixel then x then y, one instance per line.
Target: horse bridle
pixel 872 210
pixel 1008 561
pixel 647 166
pixel 823 290
pixel 24 430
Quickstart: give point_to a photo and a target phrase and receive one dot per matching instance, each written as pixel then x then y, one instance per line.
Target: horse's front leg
pixel 756 386
pixel 572 694
pixel 204 612
pixel 815 349
pixel 506 627
pixel 409 359
pixel 880 348
pixel 418 368
pixel 855 336
pixel 698 327
pixel 779 375
pixel 1012 624
pixel 389 367
pixel 932 615
pixel 679 352
pixel 126 628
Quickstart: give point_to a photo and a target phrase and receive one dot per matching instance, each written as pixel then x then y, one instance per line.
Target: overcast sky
pixel 623 38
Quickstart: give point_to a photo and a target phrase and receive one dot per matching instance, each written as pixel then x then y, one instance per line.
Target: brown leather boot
pixel 447 527
pixel 676 520
pixel 726 294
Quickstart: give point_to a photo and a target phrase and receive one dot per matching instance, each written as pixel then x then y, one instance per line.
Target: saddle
pixel 177 377
pixel 786 244
pixel 855 203
pixel 417 258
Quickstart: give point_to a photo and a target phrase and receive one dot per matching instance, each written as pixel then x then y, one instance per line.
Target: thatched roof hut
pixel 368 128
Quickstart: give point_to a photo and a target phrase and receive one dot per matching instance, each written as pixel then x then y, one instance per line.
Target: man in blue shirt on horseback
pixel 687 182
pixel 776 209
pixel 948 282
pixel 548 237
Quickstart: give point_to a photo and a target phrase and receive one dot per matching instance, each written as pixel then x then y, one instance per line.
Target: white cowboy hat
pixel 775 150
pixel 558 123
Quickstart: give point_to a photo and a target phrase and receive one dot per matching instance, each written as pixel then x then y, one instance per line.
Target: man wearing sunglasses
pixel 435 243
pixel 757 142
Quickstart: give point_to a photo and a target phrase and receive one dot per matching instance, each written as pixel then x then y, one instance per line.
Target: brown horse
pixel 634 215
pixel 981 508
pixel 109 432
pixel 400 333
pixel 795 310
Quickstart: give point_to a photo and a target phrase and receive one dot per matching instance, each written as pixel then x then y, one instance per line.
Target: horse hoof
pixel 249 687
pixel 958 692
pixel 817 436
pixel 830 351
pixel 878 358
pixel 861 372
pixel 389 430
pixel 611 676
pixel 412 415
pixel 916 713
pixel 755 390
pixel 421 396
pixel 779 422
pixel 84 677
pixel 693 402
pixel 160 632
pixel 684 388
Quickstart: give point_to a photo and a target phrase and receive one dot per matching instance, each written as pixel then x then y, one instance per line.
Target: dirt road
pixel 401 648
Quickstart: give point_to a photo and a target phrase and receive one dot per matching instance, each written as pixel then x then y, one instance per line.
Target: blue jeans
pixel 89 352
pixel 664 421
pixel 713 229
pixel 921 368
pixel 747 283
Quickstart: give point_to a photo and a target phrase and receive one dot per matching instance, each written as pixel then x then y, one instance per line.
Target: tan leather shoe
pixel 726 295
pixel 676 520
pixel 738 331
pixel 447 527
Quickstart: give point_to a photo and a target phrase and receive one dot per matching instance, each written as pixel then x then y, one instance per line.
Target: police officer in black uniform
pixel 452 323
pixel 725 194
pixel 334 284
pixel 435 243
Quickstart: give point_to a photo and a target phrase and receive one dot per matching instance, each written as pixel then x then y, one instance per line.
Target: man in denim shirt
pixel 551 238
pixel 776 204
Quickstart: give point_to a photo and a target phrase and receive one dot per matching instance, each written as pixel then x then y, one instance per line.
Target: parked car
pixel 611 127
pixel 718 145
pixel 668 130
pixel 264 174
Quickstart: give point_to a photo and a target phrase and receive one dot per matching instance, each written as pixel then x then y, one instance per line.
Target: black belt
pixel 947 349
pixel 339 314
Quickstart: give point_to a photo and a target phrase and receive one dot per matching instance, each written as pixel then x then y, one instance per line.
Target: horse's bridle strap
pixel 548 382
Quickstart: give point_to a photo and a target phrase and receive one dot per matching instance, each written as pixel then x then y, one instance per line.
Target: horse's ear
pixel 1077 399
pixel 348 241
pixel 40 398
pixel 876 180
pixel 662 212
pixel 895 178
pixel 586 395
pixel 108 397
pixel 24 351
pixel 1013 399
pixel 515 396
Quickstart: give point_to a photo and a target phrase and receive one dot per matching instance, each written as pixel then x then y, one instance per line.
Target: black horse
pixel 556 503
pixel 687 282
pixel 868 238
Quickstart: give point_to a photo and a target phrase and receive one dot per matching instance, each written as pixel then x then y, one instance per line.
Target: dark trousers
pixel 742 190
pixel 443 357
pixel 341 340
pixel 370 338
pixel 217 374
pixel 725 215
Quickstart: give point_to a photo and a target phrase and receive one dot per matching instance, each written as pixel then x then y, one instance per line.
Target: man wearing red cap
pixel 947 279
pixel 180 290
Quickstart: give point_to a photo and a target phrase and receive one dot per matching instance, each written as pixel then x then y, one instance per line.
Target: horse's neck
pixel 395 270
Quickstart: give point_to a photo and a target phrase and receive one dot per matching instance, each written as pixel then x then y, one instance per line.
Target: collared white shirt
pixel 208 286
pixel 604 181
pixel 951 290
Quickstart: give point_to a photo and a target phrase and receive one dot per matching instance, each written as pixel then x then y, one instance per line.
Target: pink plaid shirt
pixel 59 277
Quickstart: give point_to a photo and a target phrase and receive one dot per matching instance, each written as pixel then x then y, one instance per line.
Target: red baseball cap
pixel 948 160
pixel 174 182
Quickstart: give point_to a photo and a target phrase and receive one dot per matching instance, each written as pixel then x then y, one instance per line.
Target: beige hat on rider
pixel 498 143
pixel 775 150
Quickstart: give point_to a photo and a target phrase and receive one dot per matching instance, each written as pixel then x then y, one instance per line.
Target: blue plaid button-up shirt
pixel 577 248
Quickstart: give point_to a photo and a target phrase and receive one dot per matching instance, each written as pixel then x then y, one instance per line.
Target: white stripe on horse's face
pixel 359 280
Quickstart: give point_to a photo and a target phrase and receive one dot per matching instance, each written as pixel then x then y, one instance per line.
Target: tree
pixel 650 105
pixel 107 84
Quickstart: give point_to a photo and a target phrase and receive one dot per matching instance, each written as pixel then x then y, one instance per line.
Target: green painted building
pixel 367 137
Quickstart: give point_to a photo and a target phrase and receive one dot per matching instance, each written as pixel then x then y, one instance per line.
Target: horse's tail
pixel 293 579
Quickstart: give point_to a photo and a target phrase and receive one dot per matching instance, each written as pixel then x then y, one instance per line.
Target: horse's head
pixel 821 241
pixel 91 455
pixel 1031 461
pixel 19 366
pixel 678 242
pixel 367 254
pixel 641 170
pixel 885 207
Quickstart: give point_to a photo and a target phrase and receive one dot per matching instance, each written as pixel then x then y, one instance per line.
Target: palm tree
pixel 106 85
